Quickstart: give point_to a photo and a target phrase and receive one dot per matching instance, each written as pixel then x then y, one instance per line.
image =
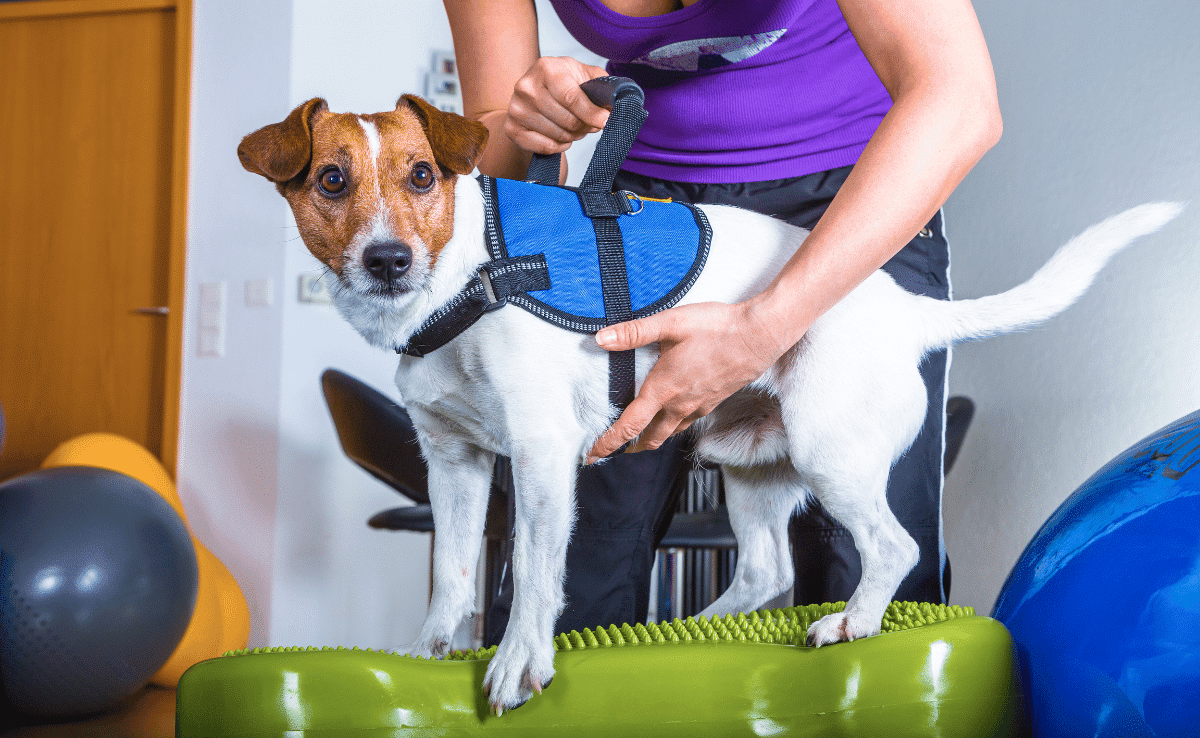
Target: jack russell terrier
pixel 380 201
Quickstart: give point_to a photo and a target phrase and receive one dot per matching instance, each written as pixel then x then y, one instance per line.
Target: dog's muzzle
pixel 387 262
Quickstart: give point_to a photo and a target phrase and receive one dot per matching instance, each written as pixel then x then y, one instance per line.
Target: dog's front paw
pixel 429 648
pixel 515 673
pixel 842 626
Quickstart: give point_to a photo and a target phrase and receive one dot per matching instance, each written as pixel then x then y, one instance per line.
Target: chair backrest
pixel 376 434
pixel 959 411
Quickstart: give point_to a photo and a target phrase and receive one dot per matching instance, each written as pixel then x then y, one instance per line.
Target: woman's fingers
pixel 548 110
pixel 707 352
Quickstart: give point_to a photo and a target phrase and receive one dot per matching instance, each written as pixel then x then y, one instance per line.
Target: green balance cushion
pixel 935 670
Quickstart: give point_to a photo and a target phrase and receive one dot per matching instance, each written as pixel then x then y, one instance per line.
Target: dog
pixel 382 201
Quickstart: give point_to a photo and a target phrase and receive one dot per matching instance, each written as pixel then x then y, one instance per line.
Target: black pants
pixel 625 504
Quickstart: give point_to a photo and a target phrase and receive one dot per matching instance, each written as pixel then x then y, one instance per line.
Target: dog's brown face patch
pixel 357 180
pixel 372 176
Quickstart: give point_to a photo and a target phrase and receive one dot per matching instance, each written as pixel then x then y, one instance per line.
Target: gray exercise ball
pixel 98 583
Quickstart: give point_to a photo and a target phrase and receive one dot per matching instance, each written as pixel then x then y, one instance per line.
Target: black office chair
pixel 700 529
pixel 378 435
pixel 959 411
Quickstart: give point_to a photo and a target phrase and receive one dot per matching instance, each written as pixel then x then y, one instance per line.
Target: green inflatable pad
pixel 934 670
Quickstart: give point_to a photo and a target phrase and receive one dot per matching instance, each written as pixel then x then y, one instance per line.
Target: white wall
pixel 229 414
pixel 1101 113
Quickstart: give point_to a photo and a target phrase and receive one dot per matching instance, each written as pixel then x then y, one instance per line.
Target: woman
pixel 854 118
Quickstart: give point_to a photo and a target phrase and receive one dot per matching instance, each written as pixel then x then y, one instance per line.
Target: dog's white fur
pixel 827 420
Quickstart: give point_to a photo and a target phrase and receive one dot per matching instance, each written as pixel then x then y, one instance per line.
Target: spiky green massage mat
pixel 934 670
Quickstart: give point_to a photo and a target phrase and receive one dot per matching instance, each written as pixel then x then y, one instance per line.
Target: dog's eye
pixel 332 181
pixel 422 177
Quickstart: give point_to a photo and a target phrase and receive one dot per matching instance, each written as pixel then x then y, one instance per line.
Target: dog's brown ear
pixel 457 141
pixel 282 150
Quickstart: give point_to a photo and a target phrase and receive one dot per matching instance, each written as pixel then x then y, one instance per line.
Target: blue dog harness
pixel 547 259
pixel 582 258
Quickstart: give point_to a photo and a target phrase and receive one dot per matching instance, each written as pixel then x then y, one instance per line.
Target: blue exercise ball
pixel 98 582
pixel 1104 604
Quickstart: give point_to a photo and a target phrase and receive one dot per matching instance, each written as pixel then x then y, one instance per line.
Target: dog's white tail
pixel 1052 289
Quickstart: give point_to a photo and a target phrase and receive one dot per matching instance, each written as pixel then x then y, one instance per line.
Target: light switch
pixel 211 338
pixel 259 293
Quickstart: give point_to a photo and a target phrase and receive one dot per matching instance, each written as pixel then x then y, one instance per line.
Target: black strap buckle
pixel 493 303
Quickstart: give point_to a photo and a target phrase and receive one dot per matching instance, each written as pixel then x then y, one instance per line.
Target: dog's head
pixel 373 195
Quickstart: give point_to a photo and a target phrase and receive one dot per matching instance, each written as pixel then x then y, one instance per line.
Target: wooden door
pixel 92 145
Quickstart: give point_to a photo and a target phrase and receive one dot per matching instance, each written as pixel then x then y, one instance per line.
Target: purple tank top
pixel 739 90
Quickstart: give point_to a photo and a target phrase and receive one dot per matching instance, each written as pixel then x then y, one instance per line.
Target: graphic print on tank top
pixel 707 53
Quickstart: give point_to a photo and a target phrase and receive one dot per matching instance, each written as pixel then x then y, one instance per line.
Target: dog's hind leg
pixel 544 477
pixel 760 501
pixel 460 477
pixel 851 404
pixel 857 499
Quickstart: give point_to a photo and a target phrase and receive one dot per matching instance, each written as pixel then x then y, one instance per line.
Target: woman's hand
pixel 707 351
pixel 548 111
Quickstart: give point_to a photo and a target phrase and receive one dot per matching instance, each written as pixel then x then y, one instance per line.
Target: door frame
pixel 177 233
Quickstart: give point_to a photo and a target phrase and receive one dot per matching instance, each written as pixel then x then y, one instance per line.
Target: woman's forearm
pixel 502 157
pixel 944 118
pixel 495 42
pixel 921 151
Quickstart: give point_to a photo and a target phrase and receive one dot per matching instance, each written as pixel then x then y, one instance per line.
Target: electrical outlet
pixel 315 288
pixel 443 63
pixel 441 83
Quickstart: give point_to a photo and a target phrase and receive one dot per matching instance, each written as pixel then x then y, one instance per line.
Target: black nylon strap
pixel 628 115
pixel 544 169
pixel 506 277
pixel 614 284
pixel 614 281
pixel 450 320
pixel 517 274
pixel 621 378
pixel 627 102
pixel 599 202
pixel 604 204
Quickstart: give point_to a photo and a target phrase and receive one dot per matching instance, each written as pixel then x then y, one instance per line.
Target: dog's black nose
pixel 387 261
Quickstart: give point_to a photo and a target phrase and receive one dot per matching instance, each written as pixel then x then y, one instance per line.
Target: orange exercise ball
pixel 119 454
pixel 220 623
pixel 221 619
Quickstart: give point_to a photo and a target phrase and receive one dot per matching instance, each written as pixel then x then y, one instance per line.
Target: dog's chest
pixel 456 394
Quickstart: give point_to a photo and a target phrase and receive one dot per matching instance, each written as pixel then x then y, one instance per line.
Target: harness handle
pixel 627 101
